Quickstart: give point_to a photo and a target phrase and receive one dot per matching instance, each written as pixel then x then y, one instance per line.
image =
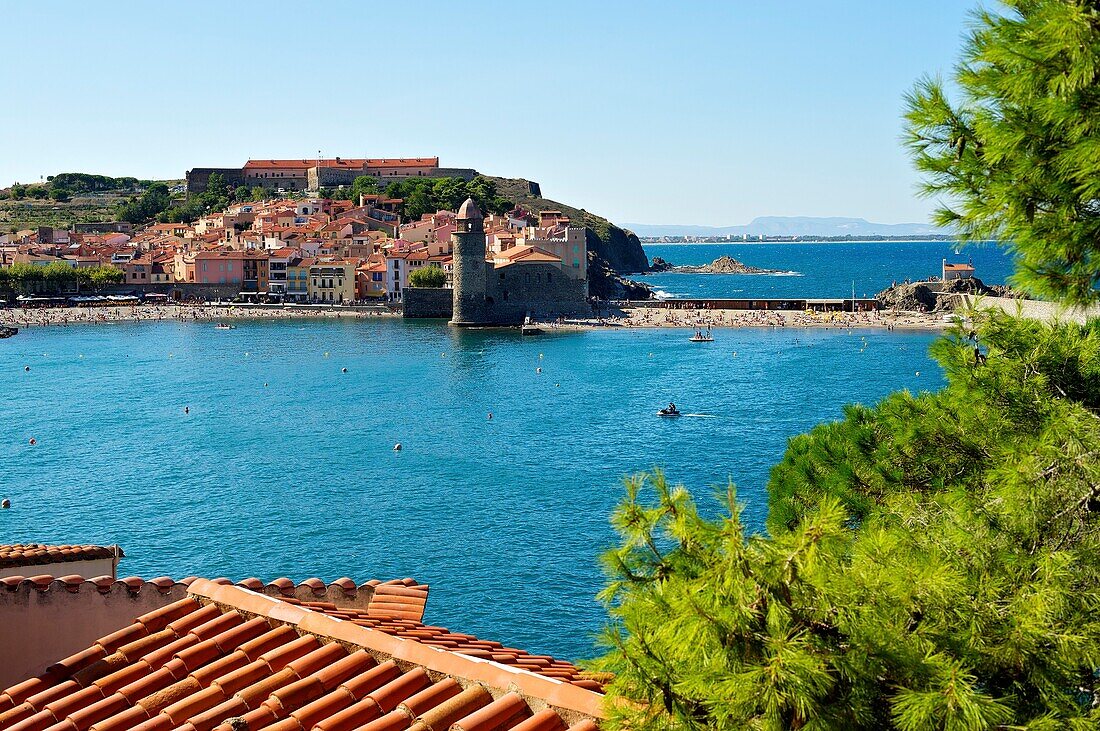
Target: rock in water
pixel 721 265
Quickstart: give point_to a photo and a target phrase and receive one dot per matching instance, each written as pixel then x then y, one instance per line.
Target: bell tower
pixel 468 244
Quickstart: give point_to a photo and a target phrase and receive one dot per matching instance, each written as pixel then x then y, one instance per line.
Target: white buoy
pixel 538 370
pixel 490 416
pixel 33 441
pixel 5 503
pixel 26 368
pixel 397 447
pixel 343 370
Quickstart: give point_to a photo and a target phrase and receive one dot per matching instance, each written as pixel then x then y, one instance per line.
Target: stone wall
pixel 197 178
pixel 540 290
pixel 1031 309
pixel 464 173
pixel 332 177
pixel 42 624
pixel 428 302
pixel 121 227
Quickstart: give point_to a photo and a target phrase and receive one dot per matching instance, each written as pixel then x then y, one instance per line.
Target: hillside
pixel 85 207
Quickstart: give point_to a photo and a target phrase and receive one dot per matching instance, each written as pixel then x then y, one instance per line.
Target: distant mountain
pixel 792 226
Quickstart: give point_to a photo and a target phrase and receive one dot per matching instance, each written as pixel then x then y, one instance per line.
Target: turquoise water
pixel 504 518
pixel 821 270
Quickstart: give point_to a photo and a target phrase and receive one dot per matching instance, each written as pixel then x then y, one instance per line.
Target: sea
pixel 822 270
pixel 284 464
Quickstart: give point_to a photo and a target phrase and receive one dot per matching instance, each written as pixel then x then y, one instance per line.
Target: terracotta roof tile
pixel 282 662
pixel 37 554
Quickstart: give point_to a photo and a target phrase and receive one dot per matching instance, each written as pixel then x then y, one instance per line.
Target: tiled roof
pixel 395 608
pixel 36 554
pixel 345 163
pixel 526 255
pixel 227 658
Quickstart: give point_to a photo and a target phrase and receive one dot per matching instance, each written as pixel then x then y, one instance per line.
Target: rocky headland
pixel 721 265
pixel 937 296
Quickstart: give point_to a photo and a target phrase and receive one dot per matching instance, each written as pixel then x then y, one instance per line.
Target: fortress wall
pixel 427 302
pixel 541 290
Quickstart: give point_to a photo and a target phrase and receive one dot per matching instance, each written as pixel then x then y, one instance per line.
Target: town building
pixel 246 269
pixel 317 173
pixel 957 271
pixel 332 280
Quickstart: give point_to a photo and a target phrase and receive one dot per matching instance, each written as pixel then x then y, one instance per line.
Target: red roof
pixel 397 162
pixel 225 657
pixel 37 554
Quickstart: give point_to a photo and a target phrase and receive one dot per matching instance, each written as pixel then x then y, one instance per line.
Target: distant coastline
pixel 663 240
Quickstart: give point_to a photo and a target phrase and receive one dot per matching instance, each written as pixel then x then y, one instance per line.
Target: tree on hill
pixel 1018 158
pixel 429 276
pixel 428 195
pixel 931 562
pixel 142 209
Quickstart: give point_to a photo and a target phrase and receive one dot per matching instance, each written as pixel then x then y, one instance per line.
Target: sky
pixel 708 113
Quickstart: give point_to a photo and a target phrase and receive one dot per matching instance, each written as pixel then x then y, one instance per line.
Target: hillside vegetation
pixel 70 198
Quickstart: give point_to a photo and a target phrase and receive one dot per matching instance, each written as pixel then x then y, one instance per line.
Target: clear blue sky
pixel 654 112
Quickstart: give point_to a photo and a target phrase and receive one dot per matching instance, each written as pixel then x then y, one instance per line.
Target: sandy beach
pixel 633 317
pixel 702 319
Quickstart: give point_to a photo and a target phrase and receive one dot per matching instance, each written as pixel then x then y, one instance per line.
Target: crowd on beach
pixel 716 318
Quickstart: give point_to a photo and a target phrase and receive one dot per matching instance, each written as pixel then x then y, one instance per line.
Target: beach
pixel 41 316
pixel 629 317
pixel 718 318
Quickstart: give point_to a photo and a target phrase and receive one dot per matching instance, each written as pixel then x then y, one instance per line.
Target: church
pixel 508 289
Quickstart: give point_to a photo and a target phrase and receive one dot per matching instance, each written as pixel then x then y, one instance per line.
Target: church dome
pixel 469 210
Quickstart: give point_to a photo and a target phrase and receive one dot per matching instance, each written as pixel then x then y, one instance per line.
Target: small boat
pixel 668 412
pixel 7 332
pixel 529 329
pixel 224 326
pixel 700 337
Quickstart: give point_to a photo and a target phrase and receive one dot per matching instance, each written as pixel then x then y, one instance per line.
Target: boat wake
pixel 702 416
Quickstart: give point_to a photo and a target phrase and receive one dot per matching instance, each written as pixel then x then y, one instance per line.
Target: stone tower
pixel 468 243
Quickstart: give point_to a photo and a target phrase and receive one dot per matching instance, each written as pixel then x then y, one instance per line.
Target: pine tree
pixel 1018 157
pixel 933 561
